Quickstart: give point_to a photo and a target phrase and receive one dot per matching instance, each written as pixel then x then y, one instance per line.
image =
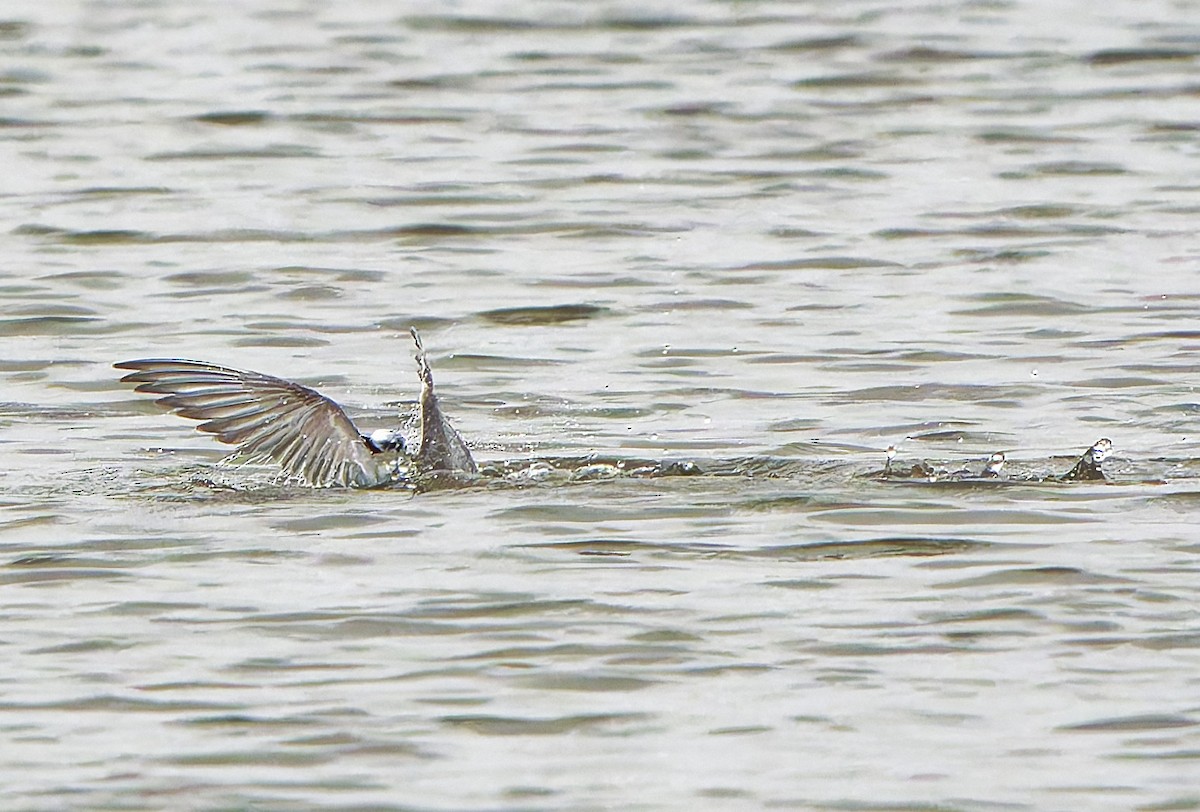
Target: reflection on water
pixel 765 240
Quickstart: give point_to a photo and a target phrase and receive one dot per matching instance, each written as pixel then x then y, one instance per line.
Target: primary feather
pixel 440 447
pixel 268 419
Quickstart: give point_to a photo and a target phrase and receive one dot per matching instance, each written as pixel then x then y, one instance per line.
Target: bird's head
pixel 386 440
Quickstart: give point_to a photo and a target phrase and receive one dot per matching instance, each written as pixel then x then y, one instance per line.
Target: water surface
pixel 715 232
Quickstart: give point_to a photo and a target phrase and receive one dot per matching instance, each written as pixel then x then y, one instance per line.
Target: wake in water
pixel 1086 469
pixel 314 443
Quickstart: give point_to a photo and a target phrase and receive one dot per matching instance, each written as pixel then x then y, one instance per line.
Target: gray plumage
pixel 441 447
pixel 1087 468
pixel 305 433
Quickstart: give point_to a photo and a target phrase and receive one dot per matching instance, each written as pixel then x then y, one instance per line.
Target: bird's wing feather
pixel 441 447
pixel 267 418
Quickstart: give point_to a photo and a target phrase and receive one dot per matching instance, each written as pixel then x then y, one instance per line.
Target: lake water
pixel 770 238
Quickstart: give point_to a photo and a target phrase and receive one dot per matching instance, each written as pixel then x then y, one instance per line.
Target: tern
pixel 309 436
pixel 1087 468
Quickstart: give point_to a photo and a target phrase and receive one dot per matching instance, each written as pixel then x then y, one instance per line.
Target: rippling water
pixel 711 232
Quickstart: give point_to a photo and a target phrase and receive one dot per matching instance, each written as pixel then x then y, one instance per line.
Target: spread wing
pixel 1088 466
pixel 441 448
pixel 267 418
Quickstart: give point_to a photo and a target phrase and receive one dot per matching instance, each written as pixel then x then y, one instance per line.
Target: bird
pixel 307 434
pixel 1087 468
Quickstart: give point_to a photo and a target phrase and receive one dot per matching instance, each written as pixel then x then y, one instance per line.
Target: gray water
pixel 709 231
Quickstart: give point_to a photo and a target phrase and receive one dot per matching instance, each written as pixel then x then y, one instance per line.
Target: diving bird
pixel 305 433
pixel 1087 468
